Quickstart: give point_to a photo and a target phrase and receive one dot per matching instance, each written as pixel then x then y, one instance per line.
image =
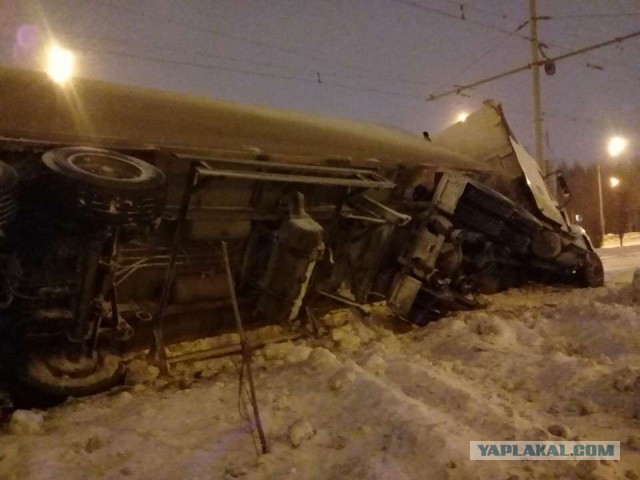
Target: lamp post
pixel 615 147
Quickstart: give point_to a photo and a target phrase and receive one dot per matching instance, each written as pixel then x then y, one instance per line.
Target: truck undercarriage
pixel 110 248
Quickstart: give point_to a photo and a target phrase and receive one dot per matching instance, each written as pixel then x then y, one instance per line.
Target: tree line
pixel 621 201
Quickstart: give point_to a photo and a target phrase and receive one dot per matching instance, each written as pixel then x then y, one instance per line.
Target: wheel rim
pixel 105 166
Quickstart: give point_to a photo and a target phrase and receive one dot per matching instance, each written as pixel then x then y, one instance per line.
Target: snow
pixel 300 431
pixel 372 398
pixel 138 371
pixel 611 240
pixel 25 422
pixel 620 262
pixel 287 352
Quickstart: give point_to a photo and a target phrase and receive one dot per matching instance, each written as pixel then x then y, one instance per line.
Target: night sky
pixel 372 60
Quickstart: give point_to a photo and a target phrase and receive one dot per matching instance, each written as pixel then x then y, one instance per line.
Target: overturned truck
pixel 114 202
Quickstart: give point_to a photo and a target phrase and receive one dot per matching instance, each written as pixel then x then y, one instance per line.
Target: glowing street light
pixel 616 146
pixel 60 63
pixel 462 116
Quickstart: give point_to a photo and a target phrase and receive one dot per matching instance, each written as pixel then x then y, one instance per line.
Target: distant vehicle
pixel 114 200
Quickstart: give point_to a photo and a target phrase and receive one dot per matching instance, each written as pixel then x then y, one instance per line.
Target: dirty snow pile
pixel 371 398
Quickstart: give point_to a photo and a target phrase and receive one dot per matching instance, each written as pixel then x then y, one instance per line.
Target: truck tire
pixel 591 274
pixel 106 187
pixel 51 373
pixel 546 244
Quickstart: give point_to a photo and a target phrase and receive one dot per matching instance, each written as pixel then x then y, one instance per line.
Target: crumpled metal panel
pixel 545 202
pixel 486 137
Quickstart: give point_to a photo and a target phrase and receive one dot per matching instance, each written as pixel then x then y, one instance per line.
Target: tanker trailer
pixel 114 201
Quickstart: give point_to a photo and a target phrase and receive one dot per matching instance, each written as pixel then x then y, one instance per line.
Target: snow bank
pixel 371 399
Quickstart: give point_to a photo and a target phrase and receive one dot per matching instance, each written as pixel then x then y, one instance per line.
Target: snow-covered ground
pixel 373 399
pixel 620 262
pixel 629 239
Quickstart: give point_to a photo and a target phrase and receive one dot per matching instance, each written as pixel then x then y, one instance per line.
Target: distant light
pixel 617 145
pixel 60 63
pixel 462 116
pixel 614 182
pixel 578 217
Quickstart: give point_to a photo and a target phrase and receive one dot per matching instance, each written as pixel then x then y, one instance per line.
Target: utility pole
pixel 535 72
pixel 600 203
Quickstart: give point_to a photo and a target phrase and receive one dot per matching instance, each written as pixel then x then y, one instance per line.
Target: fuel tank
pixel 96 113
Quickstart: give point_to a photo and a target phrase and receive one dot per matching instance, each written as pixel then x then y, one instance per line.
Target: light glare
pixel 614 182
pixel 462 116
pixel 617 145
pixel 60 62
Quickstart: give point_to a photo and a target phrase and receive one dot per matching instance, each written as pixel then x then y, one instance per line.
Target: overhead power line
pixel 316 79
pixel 322 73
pixel 175 21
pixel 522 68
pixel 311 79
pixel 589 121
pixel 514 33
pixel 464 7
pixel 373 74
pixel 444 13
pixel 595 15
pixel 259 43
pixel 205 66
pixel 479 58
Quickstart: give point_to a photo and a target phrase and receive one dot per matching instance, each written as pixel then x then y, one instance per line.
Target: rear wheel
pixel 57 374
pixel 106 187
